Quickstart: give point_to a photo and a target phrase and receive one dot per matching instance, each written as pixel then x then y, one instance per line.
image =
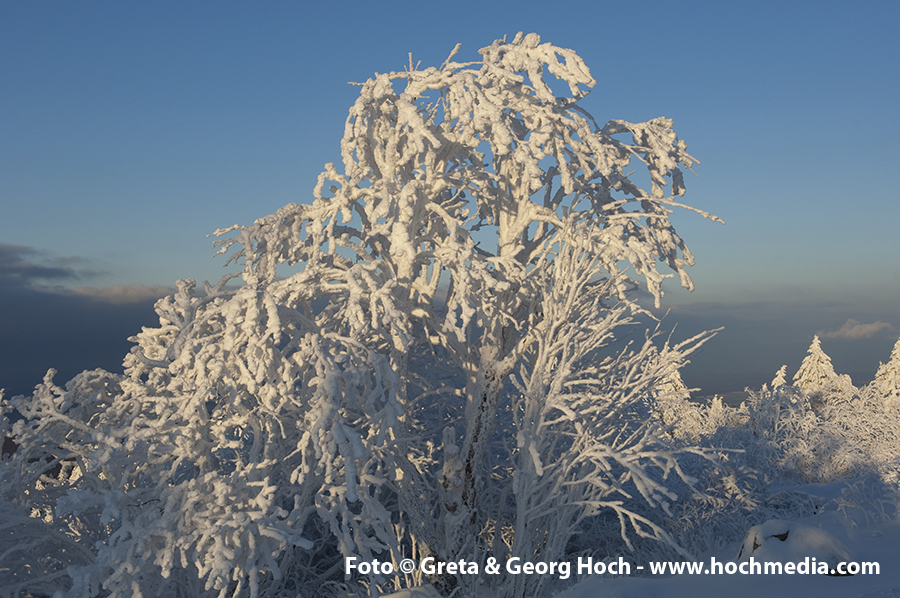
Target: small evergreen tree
pixel 816 371
pixel 887 379
pixel 780 378
pixel 672 398
pixel 817 379
pixel 672 386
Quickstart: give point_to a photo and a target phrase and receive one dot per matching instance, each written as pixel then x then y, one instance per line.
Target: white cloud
pixel 127 293
pixel 853 329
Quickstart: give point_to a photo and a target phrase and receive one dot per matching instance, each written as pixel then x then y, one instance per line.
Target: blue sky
pixel 130 131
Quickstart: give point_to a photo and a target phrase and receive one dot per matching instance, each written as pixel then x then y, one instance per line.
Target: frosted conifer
pixel 780 378
pixel 817 379
pixel 816 371
pixel 887 379
pixel 672 386
pixel 686 419
pixel 672 398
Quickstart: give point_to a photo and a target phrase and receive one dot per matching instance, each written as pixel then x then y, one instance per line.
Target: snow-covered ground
pixel 865 543
pixel 865 535
pixel 858 523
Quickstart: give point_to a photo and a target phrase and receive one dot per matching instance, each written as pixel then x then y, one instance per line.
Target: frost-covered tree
pixel 780 378
pixel 887 379
pixel 426 358
pixel 672 386
pixel 672 400
pixel 815 371
pixel 817 378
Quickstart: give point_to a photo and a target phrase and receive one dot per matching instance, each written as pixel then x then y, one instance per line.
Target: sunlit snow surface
pixel 854 529
pixel 879 543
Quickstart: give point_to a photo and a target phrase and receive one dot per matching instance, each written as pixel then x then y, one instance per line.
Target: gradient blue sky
pixel 130 131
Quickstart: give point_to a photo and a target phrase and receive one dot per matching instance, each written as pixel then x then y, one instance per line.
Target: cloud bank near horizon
pixel 854 330
pixel 45 324
pixel 49 317
pixel 123 294
pixel 22 266
pixel 29 269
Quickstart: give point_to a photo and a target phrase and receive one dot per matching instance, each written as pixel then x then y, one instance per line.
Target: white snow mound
pixel 786 541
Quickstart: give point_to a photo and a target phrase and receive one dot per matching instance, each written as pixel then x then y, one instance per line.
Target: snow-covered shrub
pixel 791 436
pixel 34 553
pixel 786 435
pixel 427 358
pixel 695 422
pixel 778 438
pixel 823 428
pixel 867 422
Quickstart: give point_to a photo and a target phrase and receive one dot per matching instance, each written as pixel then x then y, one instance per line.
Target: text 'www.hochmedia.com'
pixel 585 566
